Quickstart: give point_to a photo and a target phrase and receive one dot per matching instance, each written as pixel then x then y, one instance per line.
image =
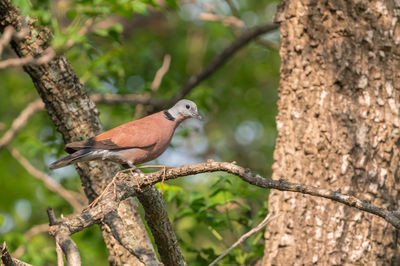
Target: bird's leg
pixel 164 167
pixel 132 168
pixel 134 176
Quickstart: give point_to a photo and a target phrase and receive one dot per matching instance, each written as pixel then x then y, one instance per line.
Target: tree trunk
pixel 338 128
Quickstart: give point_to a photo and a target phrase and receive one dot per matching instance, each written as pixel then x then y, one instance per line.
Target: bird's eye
pixel 187 106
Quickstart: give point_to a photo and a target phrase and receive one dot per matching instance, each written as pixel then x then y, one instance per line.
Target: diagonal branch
pixel 21 121
pixel 69 196
pixel 47 55
pixel 260 226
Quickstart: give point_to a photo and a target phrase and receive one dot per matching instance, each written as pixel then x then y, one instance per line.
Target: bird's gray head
pixel 184 109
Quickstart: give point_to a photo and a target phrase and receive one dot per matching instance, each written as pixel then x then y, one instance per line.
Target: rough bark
pixel 75 117
pixel 157 219
pixel 338 128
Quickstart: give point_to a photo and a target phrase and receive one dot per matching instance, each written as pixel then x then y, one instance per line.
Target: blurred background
pixel 116 47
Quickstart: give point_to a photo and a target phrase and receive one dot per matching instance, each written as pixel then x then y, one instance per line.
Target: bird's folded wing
pixel 127 136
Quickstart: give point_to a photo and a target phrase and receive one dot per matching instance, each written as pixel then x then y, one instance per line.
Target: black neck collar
pixel 168 115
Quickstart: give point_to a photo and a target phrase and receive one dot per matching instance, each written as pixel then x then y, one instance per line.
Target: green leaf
pixel 139 7
pixel 24 5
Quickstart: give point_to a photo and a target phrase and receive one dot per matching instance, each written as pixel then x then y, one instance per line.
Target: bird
pixel 132 143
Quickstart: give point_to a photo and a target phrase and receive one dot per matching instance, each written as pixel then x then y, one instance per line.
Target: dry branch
pixel 21 121
pixel 69 196
pixel 64 240
pixel 125 186
pixel 44 58
pixel 260 226
pixel 155 85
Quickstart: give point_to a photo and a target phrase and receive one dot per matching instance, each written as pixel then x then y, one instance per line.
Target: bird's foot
pixel 133 171
pixel 134 176
pixel 164 167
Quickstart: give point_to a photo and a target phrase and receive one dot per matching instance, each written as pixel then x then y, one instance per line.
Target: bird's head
pixel 184 109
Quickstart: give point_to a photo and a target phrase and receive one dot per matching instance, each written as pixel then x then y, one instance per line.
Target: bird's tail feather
pixel 70 159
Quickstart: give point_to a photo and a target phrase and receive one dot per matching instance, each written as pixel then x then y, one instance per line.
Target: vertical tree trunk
pixel 338 128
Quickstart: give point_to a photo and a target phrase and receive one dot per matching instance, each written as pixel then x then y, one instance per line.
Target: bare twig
pixel 21 121
pixel 69 196
pixel 60 259
pixel 64 240
pixel 35 230
pixel 155 85
pixel 118 99
pixel 229 21
pixel 260 226
pixel 44 58
pixel 7 260
pixel 236 24
pixel 233 8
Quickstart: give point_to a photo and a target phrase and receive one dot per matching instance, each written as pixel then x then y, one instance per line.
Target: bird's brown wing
pixel 142 133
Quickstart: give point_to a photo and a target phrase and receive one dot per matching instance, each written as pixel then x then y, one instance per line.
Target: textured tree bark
pixel 75 117
pixel 160 226
pixel 338 128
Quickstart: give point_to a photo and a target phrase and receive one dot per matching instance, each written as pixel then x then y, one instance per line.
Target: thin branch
pixel 120 98
pixel 243 238
pixel 44 58
pixel 236 24
pixel 64 240
pixel 69 196
pixel 230 21
pixel 155 85
pixel 233 8
pixel 21 121
pixel 60 259
pixel 7 260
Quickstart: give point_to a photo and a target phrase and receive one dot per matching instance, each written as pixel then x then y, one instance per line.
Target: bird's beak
pixel 197 116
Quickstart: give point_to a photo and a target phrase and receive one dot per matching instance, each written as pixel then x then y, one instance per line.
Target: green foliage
pixel 209 212
pixel 209 219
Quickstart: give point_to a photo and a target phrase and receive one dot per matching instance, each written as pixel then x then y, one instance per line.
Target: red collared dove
pixel 132 143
